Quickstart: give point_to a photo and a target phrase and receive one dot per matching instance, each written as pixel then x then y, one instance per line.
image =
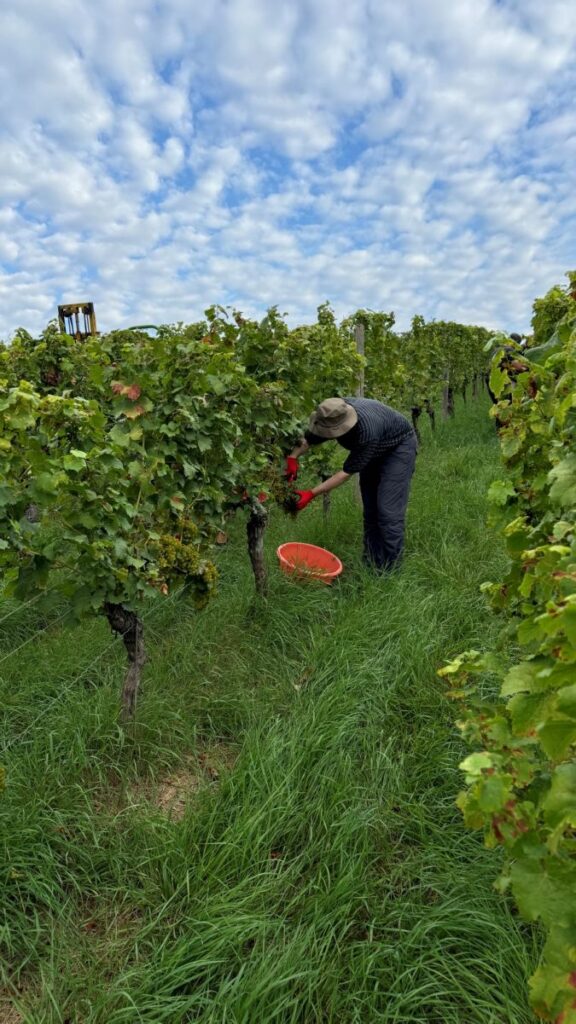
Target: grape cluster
pixel 205 584
pixel 187 529
pixel 284 493
pixel 176 558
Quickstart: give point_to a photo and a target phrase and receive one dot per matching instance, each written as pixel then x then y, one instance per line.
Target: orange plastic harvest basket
pixel 307 561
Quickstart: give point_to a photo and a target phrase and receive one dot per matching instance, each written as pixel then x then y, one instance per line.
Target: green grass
pixel 327 877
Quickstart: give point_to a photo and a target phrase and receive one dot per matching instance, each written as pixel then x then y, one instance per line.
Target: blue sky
pixel 158 157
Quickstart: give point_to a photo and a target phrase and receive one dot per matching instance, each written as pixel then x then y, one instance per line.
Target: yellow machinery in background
pixel 77 319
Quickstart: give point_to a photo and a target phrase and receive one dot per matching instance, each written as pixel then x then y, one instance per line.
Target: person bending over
pixel 382 448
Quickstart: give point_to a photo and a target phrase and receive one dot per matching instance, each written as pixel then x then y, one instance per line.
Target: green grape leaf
pixel 559 805
pixel 544 890
pixel 556 737
pixel 563 481
pixel 498 379
pixel 500 490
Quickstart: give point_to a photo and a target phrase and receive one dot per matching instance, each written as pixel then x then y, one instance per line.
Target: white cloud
pixel 159 158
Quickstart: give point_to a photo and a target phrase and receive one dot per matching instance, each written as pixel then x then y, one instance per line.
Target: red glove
pixel 291 471
pixel 305 499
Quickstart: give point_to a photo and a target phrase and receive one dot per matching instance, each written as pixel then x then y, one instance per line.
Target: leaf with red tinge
pixel 131 391
pixel 134 412
pixel 562 1018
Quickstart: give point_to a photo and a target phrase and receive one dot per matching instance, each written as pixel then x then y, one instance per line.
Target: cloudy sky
pixel 157 156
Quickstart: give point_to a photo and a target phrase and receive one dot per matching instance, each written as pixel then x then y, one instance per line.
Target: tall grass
pixel 326 877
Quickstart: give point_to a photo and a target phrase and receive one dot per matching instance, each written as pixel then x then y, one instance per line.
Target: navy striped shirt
pixel 379 428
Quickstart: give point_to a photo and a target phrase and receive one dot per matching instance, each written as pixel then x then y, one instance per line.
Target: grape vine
pixel 519 712
pixel 123 456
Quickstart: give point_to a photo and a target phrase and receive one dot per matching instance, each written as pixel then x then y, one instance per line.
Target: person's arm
pixel 336 480
pixel 292 467
pixel 305 497
pixel 300 449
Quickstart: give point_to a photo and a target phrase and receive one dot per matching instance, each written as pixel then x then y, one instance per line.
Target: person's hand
pixel 291 471
pixel 305 497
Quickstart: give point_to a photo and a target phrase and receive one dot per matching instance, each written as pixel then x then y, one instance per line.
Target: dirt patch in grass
pixel 202 770
pixel 8 1012
pixel 109 923
pixel 173 792
pixel 9 1015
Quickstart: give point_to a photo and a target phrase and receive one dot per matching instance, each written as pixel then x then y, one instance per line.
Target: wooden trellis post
pixel 359 338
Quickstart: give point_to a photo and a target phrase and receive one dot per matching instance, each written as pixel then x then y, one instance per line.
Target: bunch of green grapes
pixel 177 559
pixel 283 491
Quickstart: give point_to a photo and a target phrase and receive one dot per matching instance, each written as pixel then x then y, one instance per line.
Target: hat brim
pixel 349 421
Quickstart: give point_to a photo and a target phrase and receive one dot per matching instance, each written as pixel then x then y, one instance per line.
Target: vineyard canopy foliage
pixel 133 449
pixel 521 777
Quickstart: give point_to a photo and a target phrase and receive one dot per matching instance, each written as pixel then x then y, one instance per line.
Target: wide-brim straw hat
pixel 332 418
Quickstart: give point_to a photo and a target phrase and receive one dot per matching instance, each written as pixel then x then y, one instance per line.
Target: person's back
pixel 379 428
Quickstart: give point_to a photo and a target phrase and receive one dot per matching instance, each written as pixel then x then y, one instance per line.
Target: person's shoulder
pixel 380 407
pixel 360 403
pixel 372 405
pixel 368 403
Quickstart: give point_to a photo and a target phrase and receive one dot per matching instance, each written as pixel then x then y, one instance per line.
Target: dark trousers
pixel 385 487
